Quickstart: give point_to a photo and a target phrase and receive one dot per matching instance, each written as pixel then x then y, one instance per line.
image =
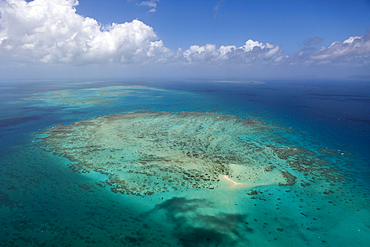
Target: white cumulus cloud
pixel 251 52
pixel 50 31
pixel 151 3
pixel 355 49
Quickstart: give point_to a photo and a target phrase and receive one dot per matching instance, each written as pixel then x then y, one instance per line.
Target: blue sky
pixel 206 38
pixel 183 23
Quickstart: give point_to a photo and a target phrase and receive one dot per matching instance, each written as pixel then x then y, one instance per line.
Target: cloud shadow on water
pixel 197 224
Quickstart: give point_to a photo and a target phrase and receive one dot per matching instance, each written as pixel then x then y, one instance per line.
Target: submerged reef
pixel 143 153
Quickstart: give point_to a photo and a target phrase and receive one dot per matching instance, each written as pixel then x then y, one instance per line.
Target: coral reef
pixel 142 153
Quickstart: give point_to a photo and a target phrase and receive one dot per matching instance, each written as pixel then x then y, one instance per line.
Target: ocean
pixel 185 163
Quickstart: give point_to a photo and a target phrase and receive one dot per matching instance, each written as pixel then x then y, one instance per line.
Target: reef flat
pixel 142 153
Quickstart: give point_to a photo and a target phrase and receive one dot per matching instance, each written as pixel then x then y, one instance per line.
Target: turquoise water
pixel 294 158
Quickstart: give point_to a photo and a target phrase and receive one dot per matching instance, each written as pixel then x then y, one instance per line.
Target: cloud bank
pixel 51 32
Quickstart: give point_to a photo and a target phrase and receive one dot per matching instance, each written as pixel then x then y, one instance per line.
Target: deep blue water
pixel 35 184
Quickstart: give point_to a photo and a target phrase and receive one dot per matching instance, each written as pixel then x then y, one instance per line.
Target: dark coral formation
pixel 290 179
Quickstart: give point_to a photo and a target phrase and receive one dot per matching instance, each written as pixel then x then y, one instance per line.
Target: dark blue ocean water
pixel 43 203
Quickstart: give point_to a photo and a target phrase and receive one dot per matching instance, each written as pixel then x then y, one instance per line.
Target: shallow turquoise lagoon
pixel 184 163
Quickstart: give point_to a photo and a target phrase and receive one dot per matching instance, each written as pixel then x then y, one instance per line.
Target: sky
pixel 215 39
